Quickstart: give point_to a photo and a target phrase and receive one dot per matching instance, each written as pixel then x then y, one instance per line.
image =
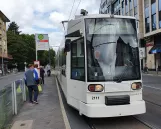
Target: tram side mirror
pixel 67 45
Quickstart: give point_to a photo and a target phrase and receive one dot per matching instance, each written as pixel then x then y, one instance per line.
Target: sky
pixel 44 16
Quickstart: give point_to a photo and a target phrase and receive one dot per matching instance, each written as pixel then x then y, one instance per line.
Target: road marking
pixel 67 125
pixel 151 87
pixel 157 75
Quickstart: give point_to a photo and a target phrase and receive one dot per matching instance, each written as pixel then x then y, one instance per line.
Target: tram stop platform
pixel 45 115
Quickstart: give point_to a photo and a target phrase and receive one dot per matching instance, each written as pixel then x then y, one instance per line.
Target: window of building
pixel 159 13
pixel 118 13
pixel 153 15
pixel 147 20
pixel 159 19
pixel 154 21
pixel 130 8
pixel 135 7
pixel 126 7
pixel 123 8
pixel 131 13
pixel 159 5
pixel 116 5
pixel 147 24
pixel 130 4
pixel 108 9
pixel 135 3
pixel 77 60
pixel 135 10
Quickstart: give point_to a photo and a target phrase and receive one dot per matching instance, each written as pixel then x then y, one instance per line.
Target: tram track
pixel 92 125
pixel 88 122
pixel 145 123
pixel 153 103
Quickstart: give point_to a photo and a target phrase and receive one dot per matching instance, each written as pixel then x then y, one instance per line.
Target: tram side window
pixel 62 62
pixel 77 60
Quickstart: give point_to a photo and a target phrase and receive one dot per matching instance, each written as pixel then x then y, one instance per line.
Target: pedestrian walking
pixel 145 68
pixel 48 69
pixel 42 72
pixel 31 78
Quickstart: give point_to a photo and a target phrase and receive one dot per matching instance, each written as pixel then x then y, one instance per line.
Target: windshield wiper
pixel 119 79
pixel 103 44
pixel 130 62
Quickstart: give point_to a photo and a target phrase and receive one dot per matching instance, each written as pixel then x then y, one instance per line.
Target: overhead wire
pixel 71 10
pixel 77 7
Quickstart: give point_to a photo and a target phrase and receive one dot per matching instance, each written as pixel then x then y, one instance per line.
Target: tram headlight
pixel 95 88
pixel 136 86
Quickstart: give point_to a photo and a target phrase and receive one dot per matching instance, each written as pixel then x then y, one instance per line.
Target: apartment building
pixel 3 40
pixel 128 8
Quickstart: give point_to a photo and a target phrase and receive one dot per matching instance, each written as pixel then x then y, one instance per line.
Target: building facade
pixel 152 32
pixel 3 41
pixel 128 8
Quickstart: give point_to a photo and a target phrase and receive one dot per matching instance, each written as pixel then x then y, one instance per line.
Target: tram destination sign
pixel 42 41
pixel 108 28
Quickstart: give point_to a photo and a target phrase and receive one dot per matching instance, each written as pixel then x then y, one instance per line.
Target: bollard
pixel 15 98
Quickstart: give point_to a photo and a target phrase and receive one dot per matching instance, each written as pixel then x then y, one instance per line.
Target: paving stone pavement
pixel 47 114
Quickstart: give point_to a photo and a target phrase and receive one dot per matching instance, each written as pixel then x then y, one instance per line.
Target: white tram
pixel 99 66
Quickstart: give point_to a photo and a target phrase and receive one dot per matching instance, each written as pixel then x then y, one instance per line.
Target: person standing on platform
pixel 48 69
pixel 42 72
pixel 36 69
pixel 31 78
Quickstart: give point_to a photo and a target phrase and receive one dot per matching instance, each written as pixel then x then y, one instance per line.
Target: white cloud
pixel 56 39
pixel 49 14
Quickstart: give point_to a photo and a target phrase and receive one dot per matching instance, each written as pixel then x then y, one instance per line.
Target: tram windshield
pixel 112 49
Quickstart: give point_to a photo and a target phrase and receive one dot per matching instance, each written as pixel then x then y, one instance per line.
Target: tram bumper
pixel 102 110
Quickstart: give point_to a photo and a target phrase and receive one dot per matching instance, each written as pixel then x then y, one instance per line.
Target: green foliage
pixel 43 57
pixel 13 27
pixel 22 48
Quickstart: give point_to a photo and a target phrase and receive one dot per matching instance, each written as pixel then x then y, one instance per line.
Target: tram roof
pixel 103 16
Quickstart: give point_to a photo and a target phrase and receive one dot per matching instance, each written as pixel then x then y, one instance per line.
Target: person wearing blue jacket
pixel 31 78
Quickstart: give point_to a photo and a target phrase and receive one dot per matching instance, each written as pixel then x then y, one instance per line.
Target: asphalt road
pixel 7 80
pixel 152 96
pixel 150 120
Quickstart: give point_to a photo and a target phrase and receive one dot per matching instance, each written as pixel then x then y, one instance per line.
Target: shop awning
pixel 155 49
pixel 6 56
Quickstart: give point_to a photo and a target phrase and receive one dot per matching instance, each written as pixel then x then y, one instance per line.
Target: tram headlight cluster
pixel 136 86
pixel 95 88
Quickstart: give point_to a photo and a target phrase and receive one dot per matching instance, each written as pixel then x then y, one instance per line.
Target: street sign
pixel 42 42
pixel 38 63
pixel 142 52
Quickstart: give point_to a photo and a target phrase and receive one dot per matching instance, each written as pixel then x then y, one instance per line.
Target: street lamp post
pixel 25 66
pixel 16 67
pixel 3 73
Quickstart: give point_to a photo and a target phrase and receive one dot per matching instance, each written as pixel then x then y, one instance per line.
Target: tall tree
pixel 30 46
pixel 14 28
